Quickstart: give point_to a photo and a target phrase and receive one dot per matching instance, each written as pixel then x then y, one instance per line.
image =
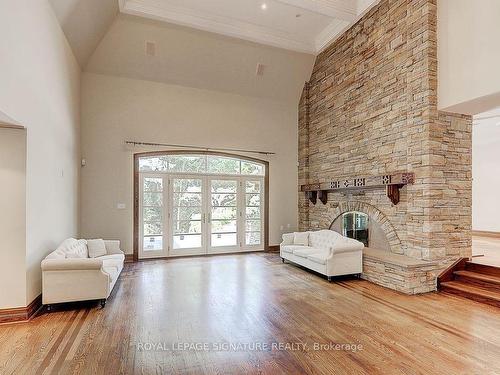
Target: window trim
pixel 206 170
pixel 139 155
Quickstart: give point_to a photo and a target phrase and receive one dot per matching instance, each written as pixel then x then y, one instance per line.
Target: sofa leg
pixel 48 307
pixel 103 303
pixel 330 279
pixel 282 260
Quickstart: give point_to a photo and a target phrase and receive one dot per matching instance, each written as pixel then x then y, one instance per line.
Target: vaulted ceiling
pixel 208 44
pixel 85 22
pixel 194 58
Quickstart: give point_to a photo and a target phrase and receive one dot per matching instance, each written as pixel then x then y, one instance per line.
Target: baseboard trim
pixel 484 233
pixel 21 314
pixel 273 248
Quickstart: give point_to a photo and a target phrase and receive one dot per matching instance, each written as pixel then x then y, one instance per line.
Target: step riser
pixel 480 283
pixel 471 296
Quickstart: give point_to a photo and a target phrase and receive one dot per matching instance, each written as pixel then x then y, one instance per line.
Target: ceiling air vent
pixel 260 69
pixel 150 48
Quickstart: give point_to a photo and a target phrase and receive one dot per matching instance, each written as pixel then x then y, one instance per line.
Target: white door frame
pixel 244 246
pixel 187 251
pixel 166 251
pixel 224 249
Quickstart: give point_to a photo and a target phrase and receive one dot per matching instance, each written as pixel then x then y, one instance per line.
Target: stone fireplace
pixel 380 234
pixel 384 261
pixel 370 109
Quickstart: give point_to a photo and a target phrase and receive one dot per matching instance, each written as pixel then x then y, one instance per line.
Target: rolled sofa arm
pixel 71 264
pixel 287 239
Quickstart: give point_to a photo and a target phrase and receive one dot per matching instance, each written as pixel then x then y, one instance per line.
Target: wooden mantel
pixel 391 182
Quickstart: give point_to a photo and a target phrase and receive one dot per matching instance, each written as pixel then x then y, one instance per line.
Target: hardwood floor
pixel 253 298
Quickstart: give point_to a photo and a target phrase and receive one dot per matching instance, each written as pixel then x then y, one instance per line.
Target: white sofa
pixel 325 251
pixel 69 274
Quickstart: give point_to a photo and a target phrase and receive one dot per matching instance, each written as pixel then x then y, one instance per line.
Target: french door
pixel 182 214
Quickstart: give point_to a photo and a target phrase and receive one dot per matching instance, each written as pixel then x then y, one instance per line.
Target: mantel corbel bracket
pixel 393 183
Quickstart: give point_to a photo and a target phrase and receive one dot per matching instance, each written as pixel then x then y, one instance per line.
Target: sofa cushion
pixel 115 260
pixel 319 257
pixel 301 238
pixel 117 257
pixel 96 248
pixel 305 251
pixel 291 248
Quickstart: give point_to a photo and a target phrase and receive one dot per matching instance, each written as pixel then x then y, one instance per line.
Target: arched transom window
pixel 209 164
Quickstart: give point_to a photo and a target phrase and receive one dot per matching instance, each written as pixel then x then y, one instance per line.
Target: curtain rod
pixel 198 147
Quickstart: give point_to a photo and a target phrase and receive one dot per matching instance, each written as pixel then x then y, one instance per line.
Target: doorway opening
pixel 196 203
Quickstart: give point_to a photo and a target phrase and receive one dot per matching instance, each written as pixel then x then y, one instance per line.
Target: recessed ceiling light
pixel 263 6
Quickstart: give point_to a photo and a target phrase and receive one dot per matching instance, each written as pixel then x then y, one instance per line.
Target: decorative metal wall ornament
pixel 393 183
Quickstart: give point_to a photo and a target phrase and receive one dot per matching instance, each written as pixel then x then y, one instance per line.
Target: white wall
pixel 118 109
pixel 486 173
pixel 468 55
pixel 12 217
pixel 40 86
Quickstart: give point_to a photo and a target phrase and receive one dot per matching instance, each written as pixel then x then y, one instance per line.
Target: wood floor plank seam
pixel 52 351
pixel 412 314
pixel 62 357
pixel 452 330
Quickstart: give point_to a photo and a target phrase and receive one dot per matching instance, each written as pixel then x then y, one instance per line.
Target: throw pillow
pixel 96 247
pixel 301 238
pixel 113 247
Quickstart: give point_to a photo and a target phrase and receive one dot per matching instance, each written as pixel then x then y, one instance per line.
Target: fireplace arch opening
pixel 367 224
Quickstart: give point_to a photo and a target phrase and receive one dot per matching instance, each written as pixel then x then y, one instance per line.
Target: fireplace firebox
pixel 355 225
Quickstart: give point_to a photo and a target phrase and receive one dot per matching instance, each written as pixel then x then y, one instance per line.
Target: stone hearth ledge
pixel 402 273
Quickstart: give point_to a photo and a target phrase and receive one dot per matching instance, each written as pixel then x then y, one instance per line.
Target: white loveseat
pixel 324 251
pixel 69 274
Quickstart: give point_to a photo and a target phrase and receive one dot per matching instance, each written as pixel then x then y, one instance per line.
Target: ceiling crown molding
pixel 333 31
pixel 343 14
pixel 344 10
pixel 215 23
